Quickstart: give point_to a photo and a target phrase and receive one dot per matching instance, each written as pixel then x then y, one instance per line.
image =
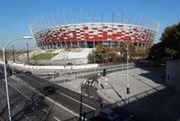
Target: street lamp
pixel 127 74
pixel 5 70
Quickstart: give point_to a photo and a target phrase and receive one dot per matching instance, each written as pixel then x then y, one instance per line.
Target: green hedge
pixel 43 56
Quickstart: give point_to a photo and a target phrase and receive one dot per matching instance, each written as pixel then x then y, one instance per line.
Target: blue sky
pixel 16 15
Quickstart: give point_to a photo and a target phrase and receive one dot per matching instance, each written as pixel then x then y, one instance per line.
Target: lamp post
pixel 5 70
pixel 127 74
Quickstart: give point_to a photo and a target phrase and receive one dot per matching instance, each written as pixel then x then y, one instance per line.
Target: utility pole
pixel 113 15
pixel 5 71
pixel 13 52
pixel 127 74
pixel 27 51
pixel 94 44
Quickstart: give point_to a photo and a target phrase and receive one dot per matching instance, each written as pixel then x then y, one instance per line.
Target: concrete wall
pixel 79 61
pixel 173 74
pixel 73 54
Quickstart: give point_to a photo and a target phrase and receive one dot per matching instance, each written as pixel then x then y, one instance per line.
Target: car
pixel 28 72
pixel 69 64
pixel 108 114
pixel 49 89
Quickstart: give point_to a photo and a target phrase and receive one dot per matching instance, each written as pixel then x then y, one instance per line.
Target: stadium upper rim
pixel 40 27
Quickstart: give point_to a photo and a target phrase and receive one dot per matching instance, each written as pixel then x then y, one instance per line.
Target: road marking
pixel 2 92
pixel 56 118
pixel 67 96
pixel 93 84
pixel 45 110
pixel 84 81
pixel 61 106
pixel 56 103
pixel 19 91
pixel 76 100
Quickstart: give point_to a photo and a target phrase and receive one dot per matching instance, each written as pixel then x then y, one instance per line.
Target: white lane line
pixel 68 96
pixel 56 103
pixel 19 91
pixel 2 92
pixel 76 100
pixel 45 110
pixel 16 90
pixel 56 118
pixel 84 82
pixel 93 84
pixel 63 107
pixel 92 97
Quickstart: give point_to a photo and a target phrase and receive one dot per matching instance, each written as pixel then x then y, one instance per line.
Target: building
pixel 172 74
pixel 90 34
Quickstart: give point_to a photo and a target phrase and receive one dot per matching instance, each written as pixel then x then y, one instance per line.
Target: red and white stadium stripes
pixel 88 33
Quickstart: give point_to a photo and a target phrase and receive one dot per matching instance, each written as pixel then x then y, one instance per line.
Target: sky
pixel 16 15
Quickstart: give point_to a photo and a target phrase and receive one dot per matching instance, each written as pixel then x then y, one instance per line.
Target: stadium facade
pixel 90 34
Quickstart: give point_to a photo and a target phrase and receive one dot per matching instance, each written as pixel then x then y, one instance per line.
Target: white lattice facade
pixel 88 35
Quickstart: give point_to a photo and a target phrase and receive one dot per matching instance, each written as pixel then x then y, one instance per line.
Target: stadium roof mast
pixel 151 24
pixel 39 24
pixel 47 26
pixel 102 21
pixel 62 31
pixel 31 31
pixel 136 22
pixel 113 15
pixel 51 17
pixel 64 23
pixel 67 19
pixel 35 25
pixel 57 24
pixel 94 46
pixel 123 15
pixel 83 28
pixel 74 17
pixel 92 20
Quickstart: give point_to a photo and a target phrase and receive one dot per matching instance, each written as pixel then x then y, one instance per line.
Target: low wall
pixel 50 67
pixel 173 74
pixel 62 62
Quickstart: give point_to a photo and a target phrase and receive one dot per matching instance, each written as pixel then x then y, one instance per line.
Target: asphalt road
pixel 64 96
pixel 61 106
pixel 33 108
pixel 66 103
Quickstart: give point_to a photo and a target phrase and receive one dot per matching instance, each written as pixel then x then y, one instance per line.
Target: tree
pixel 99 55
pixel 169 47
pixel 117 54
pixel 156 52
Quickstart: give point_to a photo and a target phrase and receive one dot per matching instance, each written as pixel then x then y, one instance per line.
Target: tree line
pixel 167 48
pixel 117 54
pixel 169 45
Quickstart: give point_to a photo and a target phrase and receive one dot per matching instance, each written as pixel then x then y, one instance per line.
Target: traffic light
pixel 102 86
pixel 104 72
pixel 127 90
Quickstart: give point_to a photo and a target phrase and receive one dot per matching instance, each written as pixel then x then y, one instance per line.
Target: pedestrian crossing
pixel 90 83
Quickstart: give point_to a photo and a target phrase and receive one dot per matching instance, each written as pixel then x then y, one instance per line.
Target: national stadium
pixel 140 33
pixel 64 32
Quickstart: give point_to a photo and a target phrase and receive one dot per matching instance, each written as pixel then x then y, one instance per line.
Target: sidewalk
pixel 74 85
pixel 149 97
pixel 115 84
